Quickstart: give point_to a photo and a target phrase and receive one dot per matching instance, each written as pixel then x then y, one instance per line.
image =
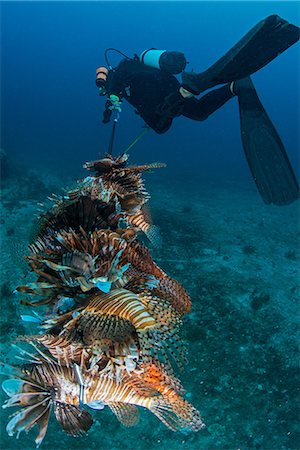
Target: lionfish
pixel 110 316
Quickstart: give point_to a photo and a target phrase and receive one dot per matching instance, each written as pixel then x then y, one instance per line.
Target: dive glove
pixel 115 103
pixel 112 104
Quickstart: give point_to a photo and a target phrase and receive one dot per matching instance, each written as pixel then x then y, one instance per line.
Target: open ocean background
pixel 237 257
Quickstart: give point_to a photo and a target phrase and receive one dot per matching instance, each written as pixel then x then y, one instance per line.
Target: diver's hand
pixel 107 112
pixel 112 105
pixel 106 116
pixel 115 103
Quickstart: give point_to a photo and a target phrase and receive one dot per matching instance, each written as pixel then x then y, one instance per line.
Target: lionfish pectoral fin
pixel 8 370
pixel 125 413
pixel 74 421
pixel 28 318
pixel 43 425
pixel 59 321
pixel 12 386
pixel 14 372
pixel 34 400
pixel 36 414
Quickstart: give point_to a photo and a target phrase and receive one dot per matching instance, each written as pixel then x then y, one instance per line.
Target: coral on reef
pixel 110 316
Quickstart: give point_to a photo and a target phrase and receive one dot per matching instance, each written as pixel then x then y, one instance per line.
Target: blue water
pixel 51 112
pixel 237 257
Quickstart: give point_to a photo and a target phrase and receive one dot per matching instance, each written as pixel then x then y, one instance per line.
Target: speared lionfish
pixel 111 316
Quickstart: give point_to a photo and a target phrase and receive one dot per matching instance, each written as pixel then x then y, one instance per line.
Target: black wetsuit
pixel 155 95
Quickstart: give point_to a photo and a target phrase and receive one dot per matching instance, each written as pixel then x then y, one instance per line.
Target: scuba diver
pixel 149 85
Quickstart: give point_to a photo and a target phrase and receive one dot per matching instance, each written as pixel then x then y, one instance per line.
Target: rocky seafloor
pixel 239 261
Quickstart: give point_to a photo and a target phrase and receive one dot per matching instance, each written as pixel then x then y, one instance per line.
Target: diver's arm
pixel 122 76
pixel 119 79
pixel 171 107
pixel 201 109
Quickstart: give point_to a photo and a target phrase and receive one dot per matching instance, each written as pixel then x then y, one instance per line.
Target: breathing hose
pixel 113 50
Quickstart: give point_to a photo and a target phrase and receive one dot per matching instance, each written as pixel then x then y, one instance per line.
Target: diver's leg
pixel 171 107
pixel 181 102
pixel 201 109
pixel 264 150
pixel 264 42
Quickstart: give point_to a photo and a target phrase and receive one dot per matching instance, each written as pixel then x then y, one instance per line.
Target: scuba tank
pixel 170 62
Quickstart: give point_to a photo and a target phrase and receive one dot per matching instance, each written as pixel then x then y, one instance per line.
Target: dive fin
pixel 263 43
pixel 264 150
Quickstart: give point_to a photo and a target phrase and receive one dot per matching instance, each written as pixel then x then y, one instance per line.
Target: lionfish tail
pixel 35 401
pixel 151 231
pixel 176 413
pixel 154 236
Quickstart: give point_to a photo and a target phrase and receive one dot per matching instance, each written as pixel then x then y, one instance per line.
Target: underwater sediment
pixel 109 316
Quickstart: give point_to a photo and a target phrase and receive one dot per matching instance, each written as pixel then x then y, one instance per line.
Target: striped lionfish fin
pixel 170 289
pixel 64 351
pixel 124 304
pixel 151 231
pixel 88 327
pixel 125 413
pixel 161 309
pixel 54 324
pixel 35 402
pixel 139 385
pixel 74 421
pixel 150 166
pixel 173 348
pixel 162 346
pixel 176 413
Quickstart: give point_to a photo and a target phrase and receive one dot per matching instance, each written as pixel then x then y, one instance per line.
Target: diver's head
pixel 102 76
